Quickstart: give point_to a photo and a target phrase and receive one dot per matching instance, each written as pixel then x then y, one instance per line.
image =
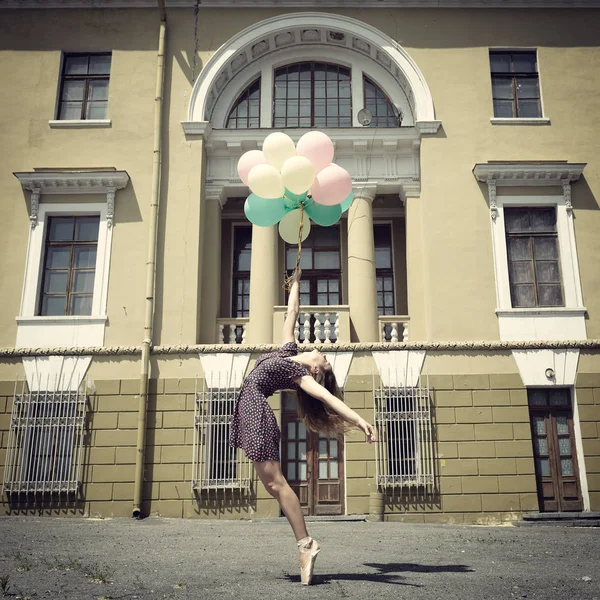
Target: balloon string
pixel 288 281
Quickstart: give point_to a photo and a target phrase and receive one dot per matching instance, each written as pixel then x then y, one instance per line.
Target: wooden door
pixel 553 438
pixel 312 464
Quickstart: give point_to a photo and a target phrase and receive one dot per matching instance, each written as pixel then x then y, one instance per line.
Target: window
pixel 245 113
pixel 312 94
pixel 405 449
pixel 242 251
pixel 45 442
pixel 216 465
pixel 84 86
pixel 515 84
pixel 533 258
pixel 384 270
pixel 384 112
pixel 69 266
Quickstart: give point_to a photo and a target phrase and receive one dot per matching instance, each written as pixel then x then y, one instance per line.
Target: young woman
pixel 254 427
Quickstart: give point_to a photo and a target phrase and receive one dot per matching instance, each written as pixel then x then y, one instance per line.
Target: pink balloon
pixel 248 161
pixel 331 185
pixel 317 147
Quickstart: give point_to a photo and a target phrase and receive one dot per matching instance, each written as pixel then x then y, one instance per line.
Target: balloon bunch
pixel 286 181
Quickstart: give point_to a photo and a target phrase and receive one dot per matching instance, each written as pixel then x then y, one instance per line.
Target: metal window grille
pixel 45 442
pixel 404 449
pixel 216 465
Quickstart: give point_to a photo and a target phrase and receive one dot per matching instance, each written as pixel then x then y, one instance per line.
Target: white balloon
pixel 265 181
pixel 277 148
pixel 297 174
pixel 289 227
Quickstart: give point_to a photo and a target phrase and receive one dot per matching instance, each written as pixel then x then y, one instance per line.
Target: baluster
pixel 221 334
pixel 306 328
pixel 243 333
pixel 405 333
pixel 297 330
pixel 394 334
pixel 336 328
pixel 231 333
pixel 382 331
pixel 318 328
pixel 327 329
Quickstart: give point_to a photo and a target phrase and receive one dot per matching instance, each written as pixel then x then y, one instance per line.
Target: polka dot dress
pixel 254 426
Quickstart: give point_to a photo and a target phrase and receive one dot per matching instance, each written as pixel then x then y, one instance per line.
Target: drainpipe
pixel 150 267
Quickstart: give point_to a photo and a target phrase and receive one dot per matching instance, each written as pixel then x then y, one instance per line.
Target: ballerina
pixel 320 406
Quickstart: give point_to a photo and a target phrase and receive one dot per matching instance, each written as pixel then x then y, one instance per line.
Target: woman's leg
pixel 275 483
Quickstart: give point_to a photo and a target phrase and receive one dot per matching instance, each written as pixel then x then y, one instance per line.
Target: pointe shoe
pixel 308 556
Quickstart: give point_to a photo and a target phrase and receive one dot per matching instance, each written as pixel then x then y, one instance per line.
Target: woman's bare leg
pixel 275 483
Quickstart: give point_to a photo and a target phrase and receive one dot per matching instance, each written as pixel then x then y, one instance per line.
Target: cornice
pixel 508 4
pixel 73 182
pixel 528 173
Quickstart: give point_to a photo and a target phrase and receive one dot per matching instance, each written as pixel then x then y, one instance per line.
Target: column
pixel 362 293
pixel 211 270
pixel 264 284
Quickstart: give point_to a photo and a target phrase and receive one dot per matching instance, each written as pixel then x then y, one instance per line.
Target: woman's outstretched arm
pixel 316 390
pixel 293 308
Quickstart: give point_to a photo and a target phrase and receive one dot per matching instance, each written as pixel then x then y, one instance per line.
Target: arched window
pixel 384 112
pixel 245 113
pixel 312 94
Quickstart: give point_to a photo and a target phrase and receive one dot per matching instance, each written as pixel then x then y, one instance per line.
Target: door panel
pixel 554 450
pixel 312 464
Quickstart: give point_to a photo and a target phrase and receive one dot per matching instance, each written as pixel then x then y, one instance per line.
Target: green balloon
pixel 324 215
pixel 264 211
pixel 347 202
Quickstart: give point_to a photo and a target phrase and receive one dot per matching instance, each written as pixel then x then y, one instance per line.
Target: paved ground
pixel 184 559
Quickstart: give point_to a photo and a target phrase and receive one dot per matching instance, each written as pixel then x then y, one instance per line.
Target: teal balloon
pixel 347 202
pixel 264 211
pixel 324 215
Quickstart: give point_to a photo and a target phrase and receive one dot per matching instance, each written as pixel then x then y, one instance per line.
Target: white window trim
pixel 539 323
pixel 34 265
pixel 519 121
pixel 68 330
pixel 79 123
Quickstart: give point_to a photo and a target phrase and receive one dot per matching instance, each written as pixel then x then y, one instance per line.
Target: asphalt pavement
pixel 156 558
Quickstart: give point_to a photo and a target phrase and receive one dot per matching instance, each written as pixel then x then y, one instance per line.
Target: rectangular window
pixel 84 86
pixel 69 266
pixel 533 258
pixel 405 449
pixel 242 252
pixel 216 465
pixel 515 84
pixel 45 441
pixel 384 269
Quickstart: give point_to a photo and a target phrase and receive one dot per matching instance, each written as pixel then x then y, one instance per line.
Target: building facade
pixel 458 299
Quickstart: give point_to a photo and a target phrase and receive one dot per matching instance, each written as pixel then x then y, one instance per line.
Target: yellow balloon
pixel 297 174
pixel 289 227
pixel 277 148
pixel 265 181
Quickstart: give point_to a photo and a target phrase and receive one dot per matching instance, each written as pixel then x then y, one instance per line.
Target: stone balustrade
pixel 231 330
pixel 316 324
pixel 393 328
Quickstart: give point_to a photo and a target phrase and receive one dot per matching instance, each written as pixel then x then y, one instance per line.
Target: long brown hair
pixel 316 415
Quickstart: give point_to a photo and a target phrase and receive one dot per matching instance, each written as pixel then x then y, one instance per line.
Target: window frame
pixel 530 236
pixel 87 78
pixel 236 275
pixel 71 269
pixel 36 253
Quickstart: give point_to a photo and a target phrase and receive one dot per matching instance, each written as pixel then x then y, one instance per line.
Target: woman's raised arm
pixel 316 390
pixel 293 308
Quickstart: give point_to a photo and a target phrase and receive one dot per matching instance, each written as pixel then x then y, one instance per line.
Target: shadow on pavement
pixel 386 573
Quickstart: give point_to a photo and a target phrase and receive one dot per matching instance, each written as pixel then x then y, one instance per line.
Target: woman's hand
pixel 296 275
pixel 368 430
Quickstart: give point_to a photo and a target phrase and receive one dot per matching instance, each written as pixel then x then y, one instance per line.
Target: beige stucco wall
pixel 450 268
